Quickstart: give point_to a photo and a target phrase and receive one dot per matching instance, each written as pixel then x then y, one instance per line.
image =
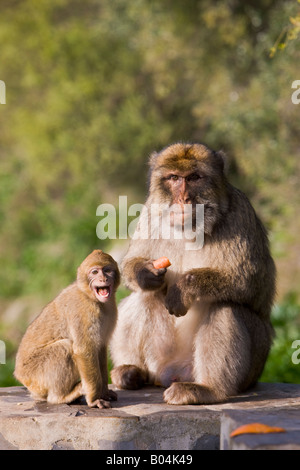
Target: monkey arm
pixel 94 385
pixel 106 393
pixel 207 282
pixel 103 365
pixel 88 366
pixel 130 267
pixel 204 283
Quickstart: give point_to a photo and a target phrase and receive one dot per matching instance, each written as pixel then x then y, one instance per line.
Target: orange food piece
pixel 162 262
pixel 255 428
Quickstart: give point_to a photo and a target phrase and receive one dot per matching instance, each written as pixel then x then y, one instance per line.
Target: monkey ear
pixel 152 159
pixel 223 161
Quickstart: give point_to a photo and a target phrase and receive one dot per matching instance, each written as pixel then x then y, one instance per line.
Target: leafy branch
pixel 288 33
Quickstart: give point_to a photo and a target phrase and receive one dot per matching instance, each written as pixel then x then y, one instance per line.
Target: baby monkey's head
pixel 98 276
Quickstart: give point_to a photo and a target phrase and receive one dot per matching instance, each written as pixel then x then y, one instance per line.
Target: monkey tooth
pixel 102 292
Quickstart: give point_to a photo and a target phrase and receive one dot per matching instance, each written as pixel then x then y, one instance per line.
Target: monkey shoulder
pixel 47 327
pixel 68 297
pixel 79 311
pixel 72 302
pixel 241 220
pixel 241 240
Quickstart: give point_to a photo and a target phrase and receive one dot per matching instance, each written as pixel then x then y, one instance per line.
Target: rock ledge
pixel 140 420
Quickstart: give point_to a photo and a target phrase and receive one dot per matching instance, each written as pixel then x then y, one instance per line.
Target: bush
pixel 286 321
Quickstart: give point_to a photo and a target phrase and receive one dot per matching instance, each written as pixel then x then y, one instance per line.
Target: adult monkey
pixel 201 328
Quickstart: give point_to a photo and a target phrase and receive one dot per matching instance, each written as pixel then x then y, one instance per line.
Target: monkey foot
pixel 128 377
pixel 188 393
pixel 100 403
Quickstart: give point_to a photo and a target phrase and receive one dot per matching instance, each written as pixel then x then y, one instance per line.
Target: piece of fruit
pixel 255 428
pixel 162 262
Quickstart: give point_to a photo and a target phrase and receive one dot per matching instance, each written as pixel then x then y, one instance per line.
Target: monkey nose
pixel 184 199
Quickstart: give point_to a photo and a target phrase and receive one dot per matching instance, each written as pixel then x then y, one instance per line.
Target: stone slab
pixel 139 420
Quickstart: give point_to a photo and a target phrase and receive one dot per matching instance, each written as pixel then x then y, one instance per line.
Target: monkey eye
pixel 173 177
pixel 94 271
pixel 108 270
pixel 194 177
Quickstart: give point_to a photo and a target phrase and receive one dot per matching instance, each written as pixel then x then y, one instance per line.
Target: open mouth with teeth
pixel 102 293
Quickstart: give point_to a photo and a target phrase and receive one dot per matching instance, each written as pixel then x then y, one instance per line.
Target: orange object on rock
pixel 162 262
pixel 255 428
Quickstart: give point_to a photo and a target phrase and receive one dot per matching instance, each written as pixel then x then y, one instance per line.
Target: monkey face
pixel 101 282
pixel 182 189
pixel 98 276
pixel 184 175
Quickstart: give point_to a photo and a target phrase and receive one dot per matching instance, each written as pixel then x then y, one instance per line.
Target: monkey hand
pixel 181 295
pixel 148 277
pixel 176 302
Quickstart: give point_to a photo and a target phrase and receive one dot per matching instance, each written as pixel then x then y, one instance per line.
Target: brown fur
pixel 63 353
pixel 202 327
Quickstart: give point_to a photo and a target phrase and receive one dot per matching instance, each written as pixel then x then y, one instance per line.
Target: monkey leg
pixel 125 347
pixel 54 398
pixel 230 350
pixel 180 370
pixel 143 338
pixel 54 376
pixel 129 377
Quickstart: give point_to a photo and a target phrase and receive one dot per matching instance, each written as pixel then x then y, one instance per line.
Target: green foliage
pixel 286 321
pixel 93 87
pixel 289 33
pixel 6 370
pixel 6 374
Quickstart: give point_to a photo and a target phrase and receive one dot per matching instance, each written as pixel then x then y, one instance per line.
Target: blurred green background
pixel 93 87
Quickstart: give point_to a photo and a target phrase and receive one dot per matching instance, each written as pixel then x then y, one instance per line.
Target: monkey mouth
pixel 102 293
pixel 179 216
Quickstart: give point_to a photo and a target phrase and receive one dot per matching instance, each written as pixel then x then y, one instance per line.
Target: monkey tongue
pixel 104 291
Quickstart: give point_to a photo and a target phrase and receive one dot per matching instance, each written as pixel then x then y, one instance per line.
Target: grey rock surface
pixel 140 420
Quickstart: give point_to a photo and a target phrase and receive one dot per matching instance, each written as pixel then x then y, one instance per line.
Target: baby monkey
pixel 63 354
